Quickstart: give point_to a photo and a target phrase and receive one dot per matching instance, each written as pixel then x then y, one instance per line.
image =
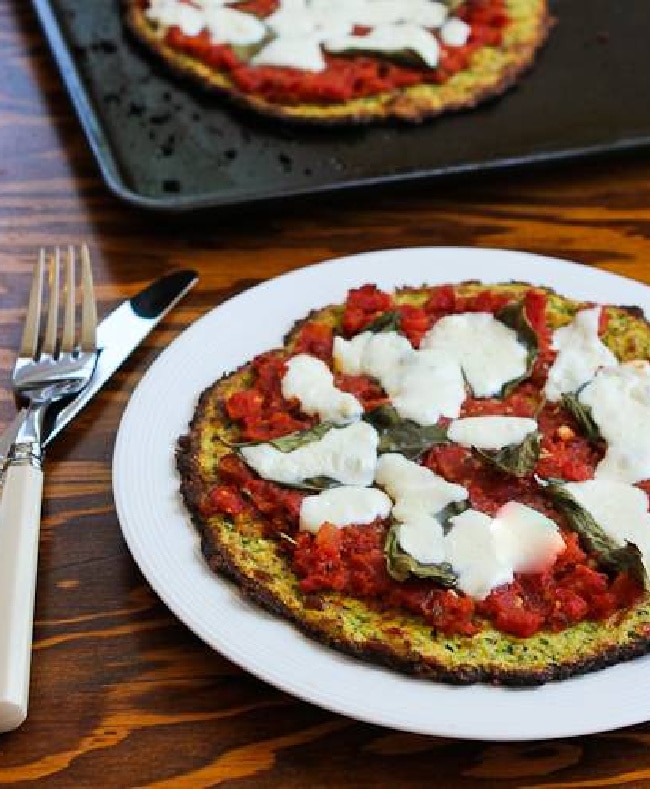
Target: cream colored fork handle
pixel 20 515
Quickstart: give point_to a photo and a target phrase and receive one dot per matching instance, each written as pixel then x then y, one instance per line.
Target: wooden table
pixel 122 693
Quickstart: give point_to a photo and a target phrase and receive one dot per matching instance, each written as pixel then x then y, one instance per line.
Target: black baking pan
pixel 162 144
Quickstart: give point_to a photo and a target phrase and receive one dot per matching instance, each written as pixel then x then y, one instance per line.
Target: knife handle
pixel 20 515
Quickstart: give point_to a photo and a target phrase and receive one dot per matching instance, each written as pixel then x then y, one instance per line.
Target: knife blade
pixel 118 335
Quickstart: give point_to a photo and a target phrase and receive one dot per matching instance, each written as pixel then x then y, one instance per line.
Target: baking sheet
pixel 162 144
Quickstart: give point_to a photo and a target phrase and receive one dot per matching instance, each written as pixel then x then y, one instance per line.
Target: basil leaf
pixel 401 565
pixel 583 416
pixel 515 459
pixel 382 417
pixel 450 511
pixel 387 321
pixel 403 435
pixel 246 52
pixel 300 438
pixel 288 443
pixel 608 552
pixel 514 317
pixel 312 484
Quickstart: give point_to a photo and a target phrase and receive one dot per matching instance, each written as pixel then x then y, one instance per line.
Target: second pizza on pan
pixel 346 61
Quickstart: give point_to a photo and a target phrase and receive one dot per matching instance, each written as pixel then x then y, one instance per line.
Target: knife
pixel 117 336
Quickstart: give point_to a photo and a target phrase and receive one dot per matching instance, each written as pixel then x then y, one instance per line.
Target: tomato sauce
pixel 346 77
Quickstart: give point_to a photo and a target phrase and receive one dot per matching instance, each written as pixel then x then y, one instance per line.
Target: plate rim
pixel 548 268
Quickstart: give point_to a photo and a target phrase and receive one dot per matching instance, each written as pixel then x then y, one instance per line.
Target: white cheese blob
pixel 299 52
pixel 229 26
pixel 618 508
pixel 455 32
pixel 422 536
pixel 619 399
pixel 490 432
pixel 348 455
pixel 486 552
pixel 317 20
pixel 377 355
pixel 310 381
pixel 425 386
pixel 171 13
pixel 415 489
pixel 422 385
pixel 349 504
pixel 525 539
pixel 390 38
pixel 488 352
pixel 580 354
pixel 470 549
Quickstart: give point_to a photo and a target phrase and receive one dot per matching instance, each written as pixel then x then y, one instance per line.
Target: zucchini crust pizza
pixel 344 61
pixel 448 480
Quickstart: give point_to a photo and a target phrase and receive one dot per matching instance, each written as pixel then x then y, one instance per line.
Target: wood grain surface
pixel 122 693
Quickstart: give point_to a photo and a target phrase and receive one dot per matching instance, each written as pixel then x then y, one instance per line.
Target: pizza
pixel 346 61
pixel 448 480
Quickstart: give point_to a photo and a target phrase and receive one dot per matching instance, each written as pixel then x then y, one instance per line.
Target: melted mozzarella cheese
pixel 299 52
pixel 171 13
pixel 618 508
pixel 619 399
pixel 310 381
pixel 229 26
pixel 347 455
pixel 487 351
pixel 377 355
pixel 525 539
pixel 422 537
pixel 490 432
pixel 343 506
pixel 471 551
pixel 580 354
pixel 422 385
pixel 425 386
pixel 455 32
pixel 415 489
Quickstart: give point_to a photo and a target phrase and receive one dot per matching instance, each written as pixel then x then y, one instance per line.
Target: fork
pixel 50 366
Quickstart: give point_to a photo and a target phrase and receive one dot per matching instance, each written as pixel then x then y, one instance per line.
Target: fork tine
pixel 67 341
pixel 49 342
pixel 29 339
pixel 88 305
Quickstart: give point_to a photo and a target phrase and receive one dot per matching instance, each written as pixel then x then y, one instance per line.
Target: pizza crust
pixel 492 71
pixel 394 638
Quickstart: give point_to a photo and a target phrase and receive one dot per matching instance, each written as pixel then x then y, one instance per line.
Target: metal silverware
pixel 50 366
pixel 117 336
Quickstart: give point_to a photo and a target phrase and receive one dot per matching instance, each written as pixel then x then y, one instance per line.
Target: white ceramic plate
pixel 165 545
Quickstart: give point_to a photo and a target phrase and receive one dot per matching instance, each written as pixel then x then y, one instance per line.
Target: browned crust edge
pixel 398 105
pixel 222 562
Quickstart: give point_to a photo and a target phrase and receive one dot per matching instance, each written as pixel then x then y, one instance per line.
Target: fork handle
pixel 20 515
